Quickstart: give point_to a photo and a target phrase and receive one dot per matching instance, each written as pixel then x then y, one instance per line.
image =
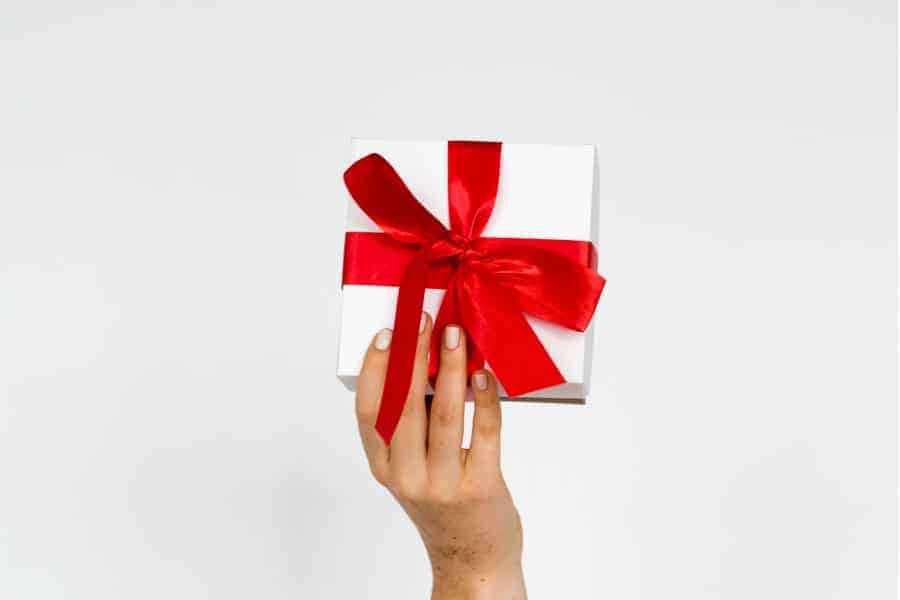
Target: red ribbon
pixel 490 282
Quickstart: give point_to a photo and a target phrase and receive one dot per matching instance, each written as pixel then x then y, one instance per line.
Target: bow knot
pixel 454 247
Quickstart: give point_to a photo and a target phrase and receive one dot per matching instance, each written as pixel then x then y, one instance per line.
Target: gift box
pixel 513 241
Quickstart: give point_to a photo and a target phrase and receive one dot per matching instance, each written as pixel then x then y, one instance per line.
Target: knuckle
pixel 415 399
pixel 379 474
pixel 489 427
pixel 405 487
pixel 444 413
pixel 484 487
pixel 423 344
pixel 443 495
pixel 365 413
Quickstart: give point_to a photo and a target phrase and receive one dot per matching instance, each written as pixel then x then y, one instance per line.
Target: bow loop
pixel 546 284
pixel 383 196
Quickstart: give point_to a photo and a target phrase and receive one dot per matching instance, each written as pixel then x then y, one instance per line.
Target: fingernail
pixel 451 337
pixel 422 322
pixel 383 339
pixel 480 381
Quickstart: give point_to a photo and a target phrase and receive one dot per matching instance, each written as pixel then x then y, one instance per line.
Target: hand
pixel 456 498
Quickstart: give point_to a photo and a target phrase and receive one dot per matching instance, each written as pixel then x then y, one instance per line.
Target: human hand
pixel 456 498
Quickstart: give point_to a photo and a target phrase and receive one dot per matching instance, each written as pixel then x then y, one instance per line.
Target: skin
pixel 456 497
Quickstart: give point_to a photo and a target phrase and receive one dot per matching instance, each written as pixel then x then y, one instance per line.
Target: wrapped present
pixel 497 238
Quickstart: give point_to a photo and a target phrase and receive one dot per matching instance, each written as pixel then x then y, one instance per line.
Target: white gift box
pixel 545 191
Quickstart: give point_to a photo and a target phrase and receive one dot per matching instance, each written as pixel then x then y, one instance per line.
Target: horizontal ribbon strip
pixel 376 259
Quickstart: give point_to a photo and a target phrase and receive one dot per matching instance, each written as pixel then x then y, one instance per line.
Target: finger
pixel 445 423
pixel 368 399
pixel 484 451
pixel 408 444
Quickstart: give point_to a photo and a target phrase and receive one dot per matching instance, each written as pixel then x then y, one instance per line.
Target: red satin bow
pixel 490 282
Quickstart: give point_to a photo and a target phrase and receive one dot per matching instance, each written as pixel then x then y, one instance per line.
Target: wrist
pixel 508 582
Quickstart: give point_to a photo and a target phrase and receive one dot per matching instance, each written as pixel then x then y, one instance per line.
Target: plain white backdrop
pixel 171 212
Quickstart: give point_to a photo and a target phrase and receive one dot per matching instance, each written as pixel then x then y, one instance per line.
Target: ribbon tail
pixel 403 347
pixel 503 335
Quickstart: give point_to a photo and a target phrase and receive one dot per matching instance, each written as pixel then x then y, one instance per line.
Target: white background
pixel 170 242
